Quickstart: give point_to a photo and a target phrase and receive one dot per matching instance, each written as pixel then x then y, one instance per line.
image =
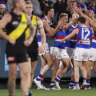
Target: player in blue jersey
pixel 82 53
pixel 60 52
pixel 92 60
pixel 70 48
pixel 45 56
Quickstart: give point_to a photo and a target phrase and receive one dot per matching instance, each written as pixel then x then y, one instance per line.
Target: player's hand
pixel 11 41
pixel 59 23
pixel 79 10
pixel 62 40
pixel 40 49
pixel 75 16
pixel 28 42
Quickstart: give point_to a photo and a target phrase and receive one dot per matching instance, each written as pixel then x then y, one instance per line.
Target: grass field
pixel 63 92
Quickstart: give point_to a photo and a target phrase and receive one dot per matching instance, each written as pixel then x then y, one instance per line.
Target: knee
pixel 25 74
pixel 12 76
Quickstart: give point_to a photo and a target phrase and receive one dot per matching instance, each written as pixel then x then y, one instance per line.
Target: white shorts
pixel 82 54
pixel 92 54
pixel 59 53
pixel 70 52
pixel 45 50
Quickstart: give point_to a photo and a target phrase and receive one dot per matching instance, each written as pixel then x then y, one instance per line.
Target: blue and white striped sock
pixel 57 79
pixel 39 77
pixel 52 84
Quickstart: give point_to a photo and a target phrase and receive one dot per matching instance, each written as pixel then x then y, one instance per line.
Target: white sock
pixel 45 69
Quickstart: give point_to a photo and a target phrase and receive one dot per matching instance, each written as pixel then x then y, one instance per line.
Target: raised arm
pixel 48 30
pixel 92 22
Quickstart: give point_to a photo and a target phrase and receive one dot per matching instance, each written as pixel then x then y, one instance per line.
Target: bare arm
pixel 75 31
pixel 48 30
pixel 3 22
pixel 93 24
pixel 42 32
pixel 68 25
pixel 32 28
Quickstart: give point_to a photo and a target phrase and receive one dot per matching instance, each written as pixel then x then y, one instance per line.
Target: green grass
pixel 63 92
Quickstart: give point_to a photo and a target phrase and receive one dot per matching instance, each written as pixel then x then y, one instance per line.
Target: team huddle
pixel 75 45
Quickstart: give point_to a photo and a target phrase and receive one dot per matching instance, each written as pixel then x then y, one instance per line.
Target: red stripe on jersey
pixel 94 37
pixel 59 37
pixel 74 38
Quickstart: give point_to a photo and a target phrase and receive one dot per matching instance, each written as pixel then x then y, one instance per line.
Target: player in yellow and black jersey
pixel 16 23
pixel 33 48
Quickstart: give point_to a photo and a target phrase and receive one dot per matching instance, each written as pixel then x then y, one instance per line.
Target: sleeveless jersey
pixel 17 27
pixel 59 36
pixel 73 41
pixel 84 36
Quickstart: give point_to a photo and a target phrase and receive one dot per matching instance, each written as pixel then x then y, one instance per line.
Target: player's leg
pixel 54 71
pixel 25 70
pixel 71 52
pixel 56 52
pixel 48 58
pixel 84 74
pixel 88 67
pixel 12 78
pixel 76 74
pixel 65 67
pixel 33 64
pixel 43 63
pixel 94 67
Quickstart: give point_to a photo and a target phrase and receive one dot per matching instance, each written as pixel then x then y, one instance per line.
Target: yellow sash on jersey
pixel 34 21
pixel 16 33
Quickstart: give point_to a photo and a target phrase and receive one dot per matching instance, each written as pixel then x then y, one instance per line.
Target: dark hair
pixel 47 8
pixel 82 20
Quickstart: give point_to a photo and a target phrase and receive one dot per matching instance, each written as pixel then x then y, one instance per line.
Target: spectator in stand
pixel 91 3
pixel 81 5
pixel 36 8
pixel 44 3
pixel 71 8
pixel 3 1
pixel 9 5
pixel 59 7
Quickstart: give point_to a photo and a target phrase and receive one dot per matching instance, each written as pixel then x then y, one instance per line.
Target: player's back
pixel 84 36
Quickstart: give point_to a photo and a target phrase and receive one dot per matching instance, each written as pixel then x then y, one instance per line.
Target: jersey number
pixel 85 34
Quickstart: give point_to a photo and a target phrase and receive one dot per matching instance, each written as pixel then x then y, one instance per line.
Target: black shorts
pixel 16 53
pixel 32 50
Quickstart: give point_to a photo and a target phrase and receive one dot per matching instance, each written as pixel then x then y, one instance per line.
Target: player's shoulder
pixel 38 18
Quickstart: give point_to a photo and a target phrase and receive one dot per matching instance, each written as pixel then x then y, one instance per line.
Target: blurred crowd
pixel 60 6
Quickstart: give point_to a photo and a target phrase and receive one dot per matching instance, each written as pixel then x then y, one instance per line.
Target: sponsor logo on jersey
pixel 11 59
pixel 15 23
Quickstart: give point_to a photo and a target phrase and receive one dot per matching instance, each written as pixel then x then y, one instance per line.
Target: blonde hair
pixel 62 15
pixel 14 2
